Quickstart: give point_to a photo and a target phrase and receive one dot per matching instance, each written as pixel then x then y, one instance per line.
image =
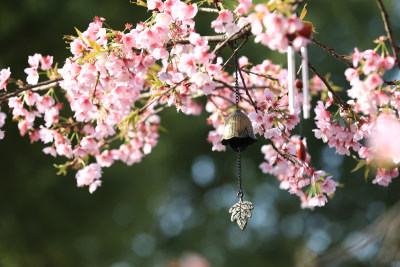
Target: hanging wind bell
pixel 291 76
pixel 304 63
pixel 239 134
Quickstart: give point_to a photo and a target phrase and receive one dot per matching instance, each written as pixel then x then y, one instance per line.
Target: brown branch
pixel 341 102
pixel 212 38
pixel 285 156
pixel 240 33
pixel 259 74
pixel 157 99
pixel 37 87
pixel 208 10
pixel 223 97
pixel 395 82
pixel 241 87
pixel 247 91
pixel 223 39
pixel 389 31
pixel 224 83
pixel 332 52
pixel 236 51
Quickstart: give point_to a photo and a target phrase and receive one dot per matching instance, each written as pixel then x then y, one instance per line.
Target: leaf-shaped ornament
pixel 241 211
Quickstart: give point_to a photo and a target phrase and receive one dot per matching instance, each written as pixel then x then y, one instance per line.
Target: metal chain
pixel 235 59
pixel 239 166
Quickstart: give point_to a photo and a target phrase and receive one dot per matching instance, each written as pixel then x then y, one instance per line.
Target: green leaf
pixel 366 173
pixel 89 56
pixel 359 165
pixel 62 169
pixel 303 12
pixel 92 43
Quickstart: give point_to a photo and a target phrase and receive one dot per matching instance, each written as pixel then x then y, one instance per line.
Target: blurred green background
pixel 174 204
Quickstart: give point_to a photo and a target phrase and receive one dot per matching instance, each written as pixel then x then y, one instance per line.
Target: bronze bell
pixel 238 132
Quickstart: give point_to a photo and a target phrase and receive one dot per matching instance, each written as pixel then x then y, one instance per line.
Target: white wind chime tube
pixel 291 78
pixel 306 90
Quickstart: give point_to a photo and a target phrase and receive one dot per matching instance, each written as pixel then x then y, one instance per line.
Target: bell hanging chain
pixel 235 59
pixel 241 211
pixel 239 168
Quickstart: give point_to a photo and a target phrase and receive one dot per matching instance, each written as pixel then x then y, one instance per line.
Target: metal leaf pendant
pixel 241 211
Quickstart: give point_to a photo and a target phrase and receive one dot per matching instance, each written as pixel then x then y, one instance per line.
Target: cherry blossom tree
pixel 104 103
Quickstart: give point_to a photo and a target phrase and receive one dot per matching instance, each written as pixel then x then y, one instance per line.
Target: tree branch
pixel 389 32
pixel 244 31
pixel 208 10
pixel 341 102
pixel 235 51
pixel 247 91
pixel 37 87
pixel 212 39
pixel 157 99
pixel 332 52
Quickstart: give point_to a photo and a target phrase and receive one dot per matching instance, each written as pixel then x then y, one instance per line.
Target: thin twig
pixel 224 98
pixel 141 110
pixel 236 51
pixel 241 87
pixel 389 32
pixel 285 156
pixel 247 91
pixel 332 52
pixel 244 31
pixel 341 102
pixel 224 83
pixel 212 38
pixel 208 10
pixel 255 73
pixel 34 88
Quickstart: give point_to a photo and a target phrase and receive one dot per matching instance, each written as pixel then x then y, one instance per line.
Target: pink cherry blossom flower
pixel 388 62
pixel 373 81
pixel 274 132
pixel 3 117
pixel 4 77
pixel 318 200
pixel 46 62
pixel 34 60
pixel 155 4
pixel 357 57
pixel 256 119
pixel 384 177
pixel 383 138
pixel 50 151
pixel 243 7
pixel 93 186
pixel 51 116
pixel 105 159
pixel 33 76
pixel 351 75
pixel 88 174
pixel 328 186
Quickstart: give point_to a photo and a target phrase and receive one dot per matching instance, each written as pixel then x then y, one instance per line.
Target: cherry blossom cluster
pixel 5 75
pixel 370 123
pixel 276 31
pixel 267 86
pixel 295 174
pixel 105 80
pixel 116 82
